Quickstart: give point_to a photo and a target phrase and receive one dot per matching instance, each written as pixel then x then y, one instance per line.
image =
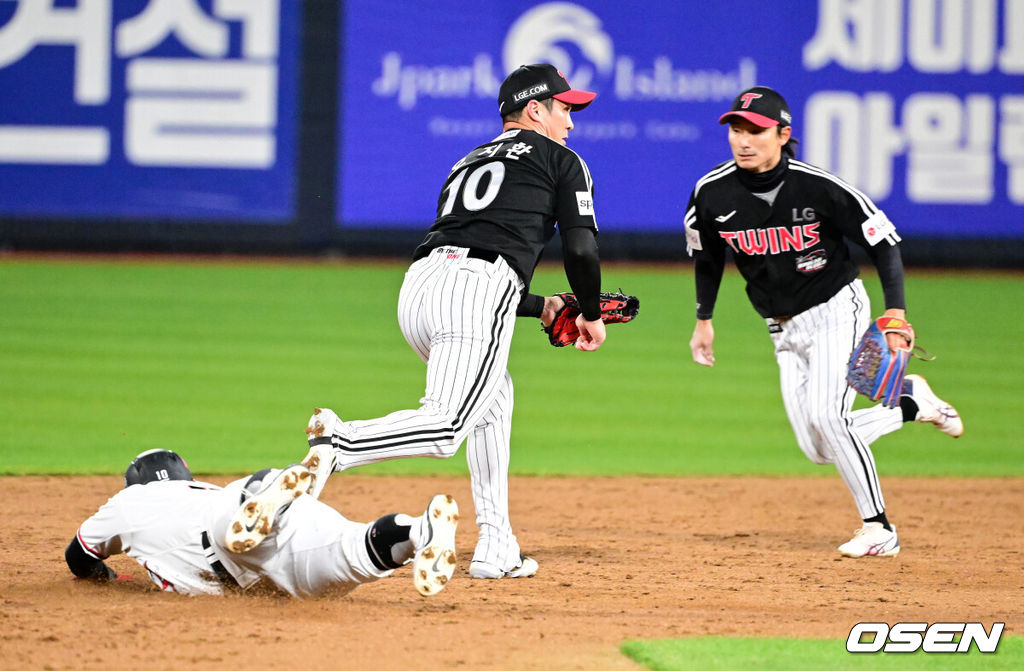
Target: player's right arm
pixel 592 334
pixel 702 343
pixel 708 265
pixel 577 226
pixel 97 538
pixel 84 565
pixel 583 270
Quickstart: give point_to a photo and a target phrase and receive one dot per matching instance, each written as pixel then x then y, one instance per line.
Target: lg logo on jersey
pixel 807 214
pixel 914 636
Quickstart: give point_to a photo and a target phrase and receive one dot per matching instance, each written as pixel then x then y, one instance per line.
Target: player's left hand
pixel 898 339
pixel 592 334
pixel 552 306
pixel 878 364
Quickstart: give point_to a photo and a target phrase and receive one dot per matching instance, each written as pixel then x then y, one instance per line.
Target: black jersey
pixel 791 253
pixel 506 196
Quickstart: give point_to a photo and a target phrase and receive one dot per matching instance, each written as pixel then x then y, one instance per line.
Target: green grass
pixel 773 654
pixel 224 362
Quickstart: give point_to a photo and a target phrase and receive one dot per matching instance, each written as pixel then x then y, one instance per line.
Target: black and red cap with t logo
pixel 539 81
pixel 760 106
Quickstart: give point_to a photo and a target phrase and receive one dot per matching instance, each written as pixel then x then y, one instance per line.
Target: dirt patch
pixel 621 558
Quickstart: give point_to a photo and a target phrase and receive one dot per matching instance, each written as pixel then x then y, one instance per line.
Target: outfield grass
pixel 224 362
pixel 773 654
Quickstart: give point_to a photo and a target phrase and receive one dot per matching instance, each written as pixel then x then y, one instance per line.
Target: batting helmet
pixel 154 465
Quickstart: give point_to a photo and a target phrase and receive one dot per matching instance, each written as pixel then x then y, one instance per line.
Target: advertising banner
pixel 918 103
pixel 167 109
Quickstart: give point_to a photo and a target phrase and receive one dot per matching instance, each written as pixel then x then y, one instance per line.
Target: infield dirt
pixel 621 558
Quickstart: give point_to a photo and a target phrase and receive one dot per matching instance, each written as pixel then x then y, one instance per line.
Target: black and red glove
pixel 616 308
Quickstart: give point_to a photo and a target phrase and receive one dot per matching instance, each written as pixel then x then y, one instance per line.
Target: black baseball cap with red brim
pixel 539 81
pixel 760 106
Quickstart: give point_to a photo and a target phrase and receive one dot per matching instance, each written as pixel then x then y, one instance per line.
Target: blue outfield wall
pixel 287 126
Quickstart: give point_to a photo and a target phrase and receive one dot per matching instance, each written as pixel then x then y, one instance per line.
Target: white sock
pixel 419 533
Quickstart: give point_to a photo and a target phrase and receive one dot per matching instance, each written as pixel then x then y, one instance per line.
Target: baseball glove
pixel 616 308
pixel 877 371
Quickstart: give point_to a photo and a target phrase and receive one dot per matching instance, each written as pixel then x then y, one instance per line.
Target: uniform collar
pixel 760 182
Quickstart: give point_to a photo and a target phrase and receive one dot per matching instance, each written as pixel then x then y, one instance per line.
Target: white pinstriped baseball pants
pixel 813 351
pixel 458 314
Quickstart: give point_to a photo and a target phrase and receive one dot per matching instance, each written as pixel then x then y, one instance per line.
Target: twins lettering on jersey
pixel 774 240
pixel 780 239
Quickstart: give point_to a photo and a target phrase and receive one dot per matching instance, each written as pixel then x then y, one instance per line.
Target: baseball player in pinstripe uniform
pixel 197 538
pixel 469 280
pixel 787 224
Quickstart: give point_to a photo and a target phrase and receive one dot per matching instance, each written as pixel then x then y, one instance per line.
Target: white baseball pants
pixel 813 351
pixel 312 548
pixel 458 314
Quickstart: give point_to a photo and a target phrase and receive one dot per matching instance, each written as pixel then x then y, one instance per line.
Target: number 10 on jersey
pixel 469 187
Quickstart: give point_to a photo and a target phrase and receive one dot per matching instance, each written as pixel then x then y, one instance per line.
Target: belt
pixel 215 564
pixel 484 254
pixel 473 253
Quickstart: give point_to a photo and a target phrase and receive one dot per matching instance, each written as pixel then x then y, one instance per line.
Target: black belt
pixel 218 568
pixel 473 253
pixel 485 254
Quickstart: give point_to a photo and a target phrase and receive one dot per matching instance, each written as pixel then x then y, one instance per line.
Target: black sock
pixel 880 517
pixel 909 408
pixel 381 538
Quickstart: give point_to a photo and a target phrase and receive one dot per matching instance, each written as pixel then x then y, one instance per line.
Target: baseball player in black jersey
pixel 787 224
pixel 469 280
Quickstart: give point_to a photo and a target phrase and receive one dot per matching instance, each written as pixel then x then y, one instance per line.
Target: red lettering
pixel 790 239
pixel 775 240
pixel 753 241
pixel 811 236
pixel 730 237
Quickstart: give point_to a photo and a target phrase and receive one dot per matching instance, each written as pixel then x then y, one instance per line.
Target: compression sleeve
pixel 531 305
pixel 583 269
pixel 85 566
pixel 889 262
pixel 707 274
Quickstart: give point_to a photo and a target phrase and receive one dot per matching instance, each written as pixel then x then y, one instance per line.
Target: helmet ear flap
pixel 132 476
pixel 153 465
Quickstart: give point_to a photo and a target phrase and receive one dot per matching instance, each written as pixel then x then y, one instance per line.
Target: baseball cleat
pixel 527 568
pixel 255 518
pixel 320 462
pixel 930 408
pixel 434 563
pixel 321 424
pixel 872 540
